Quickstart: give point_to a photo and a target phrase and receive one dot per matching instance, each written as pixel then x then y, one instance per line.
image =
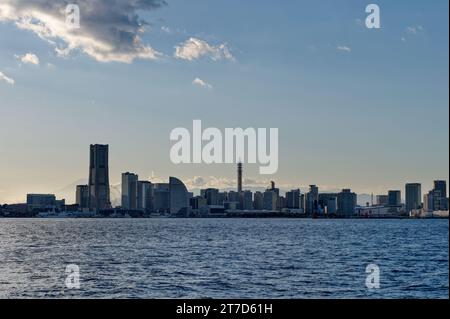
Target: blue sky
pixel 371 117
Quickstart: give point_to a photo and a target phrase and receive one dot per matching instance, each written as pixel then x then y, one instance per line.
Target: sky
pixel 358 108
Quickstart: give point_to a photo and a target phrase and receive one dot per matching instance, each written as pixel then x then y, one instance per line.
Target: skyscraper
pixel 311 200
pixel 129 190
pixel 144 196
pixel 247 200
pixel 258 201
pixel 82 196
pixel 211 195
pixel 413 195
pixel 293 199
pixel 99 178
pixel 346 203
pixel 394 198
pixel 270 200
pixel 239 177
pixel 440 193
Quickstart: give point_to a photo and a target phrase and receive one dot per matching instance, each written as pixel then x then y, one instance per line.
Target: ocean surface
pixel 223 258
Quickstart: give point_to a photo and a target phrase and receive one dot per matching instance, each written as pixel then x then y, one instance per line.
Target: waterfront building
pixel 179 199
pixel 413 196
pixel 247 200
pixel 394 198
pixel 270 200
pixel 293 199
pixel 331 206
pixel 346 203
pixel 41 201
pixel 382 200
pixel 258 201
pixel 99 193
pixel 440 195
pixel 144 194
pixel 129 191
pixel 312 200
pixel 82 196
pixel 198 202
pixel 211 195
pixel 161 198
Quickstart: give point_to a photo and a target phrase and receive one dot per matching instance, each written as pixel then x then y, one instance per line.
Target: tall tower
pixel 413 199
pixel 129 190
pixel 239 177
pixel 99 178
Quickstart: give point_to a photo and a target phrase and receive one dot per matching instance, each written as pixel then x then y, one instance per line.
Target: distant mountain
pixel 68 192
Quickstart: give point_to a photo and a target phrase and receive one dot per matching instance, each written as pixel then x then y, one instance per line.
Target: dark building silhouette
pixel 82 196
pixel 394 198
pixel 413 199
pixel 239 172
pixel 99 178
pixel 440 195
pixel 346 203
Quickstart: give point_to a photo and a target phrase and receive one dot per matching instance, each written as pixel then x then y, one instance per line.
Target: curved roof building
pixel 179 199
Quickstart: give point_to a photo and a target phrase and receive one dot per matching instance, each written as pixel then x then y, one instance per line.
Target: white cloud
pixel 193 49
pixel 166 29
pixel 108 33
pixel 344 48
pixel 414 29
pixel 201 83
pixel 6 79
pixel 28 58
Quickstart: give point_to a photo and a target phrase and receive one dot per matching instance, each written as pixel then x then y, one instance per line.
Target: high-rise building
pixel 332 206
pixel 440 194
pixel 413 196
pixel 221 198
pixel 247 200
pixel 82 196
pixel 144 195
pixel 281 202
pixel 211 195
pixel 428 202
pixel 99 178
pixel 323 200
pixel 239 177
pixel 274 189
pixel 234 197
pixel 394 198
pixel 161 198
pixel 311 200
pixel 129 191
pixel 293 199
pixel 179 199
pixel 346 203
pixel 258 201
pixel 270 198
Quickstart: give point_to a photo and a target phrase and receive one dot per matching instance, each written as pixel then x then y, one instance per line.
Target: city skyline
pixel 138 194
pixel 354 107
pixel 99 159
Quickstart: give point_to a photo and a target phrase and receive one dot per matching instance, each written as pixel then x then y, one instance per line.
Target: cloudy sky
pixel 359 108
